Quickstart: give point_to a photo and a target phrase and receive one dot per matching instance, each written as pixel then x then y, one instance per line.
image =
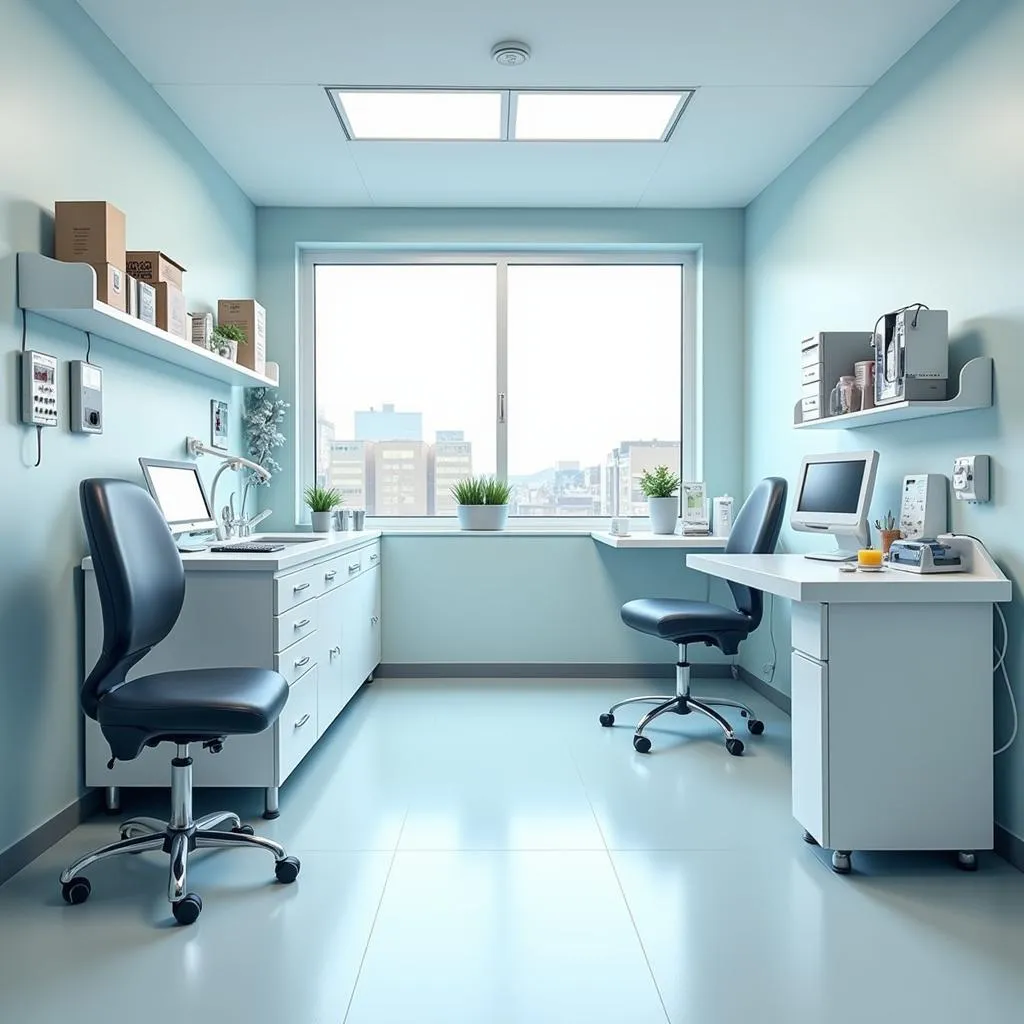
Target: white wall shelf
pixel 975 393
pixel 661 540
pixel 66 293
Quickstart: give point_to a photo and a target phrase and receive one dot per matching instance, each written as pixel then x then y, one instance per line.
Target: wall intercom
pixel 86 397
pixel 39 389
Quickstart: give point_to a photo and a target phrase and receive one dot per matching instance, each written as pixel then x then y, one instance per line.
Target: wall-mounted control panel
pixel 971 477
pixel 86 398
pixel 39 389
pixel 923 511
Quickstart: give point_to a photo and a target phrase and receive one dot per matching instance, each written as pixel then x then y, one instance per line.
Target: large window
pixel 563 377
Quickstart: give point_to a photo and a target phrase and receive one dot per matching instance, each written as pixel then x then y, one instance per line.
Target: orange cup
pixel 869 557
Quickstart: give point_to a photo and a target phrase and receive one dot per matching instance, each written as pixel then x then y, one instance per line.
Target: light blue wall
pixel 915 195
pixel 433 611
pixel 79 123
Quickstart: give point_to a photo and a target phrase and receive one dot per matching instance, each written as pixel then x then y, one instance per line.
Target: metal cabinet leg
pixel 967 860
pixel 271 809
pixel 841 862
pixel 112 799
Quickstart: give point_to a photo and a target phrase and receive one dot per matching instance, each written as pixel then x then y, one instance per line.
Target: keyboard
pixel 248 547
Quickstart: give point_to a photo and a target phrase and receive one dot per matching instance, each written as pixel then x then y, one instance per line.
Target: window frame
pixel 691 391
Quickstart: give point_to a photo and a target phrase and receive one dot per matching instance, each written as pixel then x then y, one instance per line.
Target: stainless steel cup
pixel 343 519
pixel 358 518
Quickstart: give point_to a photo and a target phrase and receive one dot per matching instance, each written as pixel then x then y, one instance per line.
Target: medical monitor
pixel 178 489
pixel 833 495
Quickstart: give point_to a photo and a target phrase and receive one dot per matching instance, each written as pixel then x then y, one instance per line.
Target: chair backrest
pixel 139 576
pixel 756 532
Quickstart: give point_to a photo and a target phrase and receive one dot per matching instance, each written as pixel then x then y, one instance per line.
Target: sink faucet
pixel 229 523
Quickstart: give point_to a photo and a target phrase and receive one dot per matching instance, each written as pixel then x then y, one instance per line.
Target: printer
pixel 928 556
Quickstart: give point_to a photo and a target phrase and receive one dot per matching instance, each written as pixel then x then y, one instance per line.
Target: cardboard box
pixel 252 318
pixel 170 310
pixel 89 233
pixel 147 302
pixel 202 328
pixel 155 267
pixel 112 286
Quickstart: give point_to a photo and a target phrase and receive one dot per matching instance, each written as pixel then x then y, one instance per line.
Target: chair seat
pixel 197 703
pixel 682 621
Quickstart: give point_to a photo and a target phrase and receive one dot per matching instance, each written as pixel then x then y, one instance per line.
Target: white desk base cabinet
pixel 891 702
pixel 311 613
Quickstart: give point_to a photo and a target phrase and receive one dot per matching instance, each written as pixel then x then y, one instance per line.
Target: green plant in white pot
pixel 225 339
pixel 660 489
pixel 322 502
pixel 482 503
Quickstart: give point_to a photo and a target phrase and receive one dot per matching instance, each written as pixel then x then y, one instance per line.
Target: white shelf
pixel 66 292
pixel 975 393
pixel 661 540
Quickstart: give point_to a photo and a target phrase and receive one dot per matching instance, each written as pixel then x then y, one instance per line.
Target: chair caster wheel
pixel 841 862
pixel 755 726
pixel 244 830
pixel 187 909
pixel 76 891
pixel 809 839
pixel 734 746
pixel 641 744
pixel 967 860
pixel 287 870
pixel 607 719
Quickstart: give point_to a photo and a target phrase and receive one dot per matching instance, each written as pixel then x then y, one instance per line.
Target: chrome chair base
pixel 683 703
pixel 178 838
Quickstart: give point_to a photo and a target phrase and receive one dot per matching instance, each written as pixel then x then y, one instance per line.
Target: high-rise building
pixel 348 471
pixel 399 474
pixel 625 467
pixel 324 438
pixel 385 424
pixel 451 461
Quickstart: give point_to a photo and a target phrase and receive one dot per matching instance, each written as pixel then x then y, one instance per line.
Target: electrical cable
pixel 88 346
pixel 39 445
pixel 917 307
pixel 24 327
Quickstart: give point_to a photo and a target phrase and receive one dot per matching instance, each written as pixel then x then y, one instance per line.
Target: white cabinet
pixel 331 694
pixel 809 689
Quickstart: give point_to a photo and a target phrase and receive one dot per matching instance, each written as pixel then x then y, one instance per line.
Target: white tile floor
pixel 483 852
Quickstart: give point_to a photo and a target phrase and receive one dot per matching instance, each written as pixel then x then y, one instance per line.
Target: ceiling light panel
pixel 403 114
pixel 596 116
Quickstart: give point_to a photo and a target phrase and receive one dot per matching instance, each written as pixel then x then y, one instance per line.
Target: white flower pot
pixel 664 513
pixel 482 517
pixel 322 521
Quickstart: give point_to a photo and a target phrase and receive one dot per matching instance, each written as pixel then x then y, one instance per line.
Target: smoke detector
pixel 510 54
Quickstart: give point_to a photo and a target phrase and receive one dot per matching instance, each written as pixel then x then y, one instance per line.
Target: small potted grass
pixel 482 503
pixel 660 489
pixel 225 339
pixel 322 502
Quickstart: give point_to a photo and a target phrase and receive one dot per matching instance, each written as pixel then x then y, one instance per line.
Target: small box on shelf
pixel 201 329
pixel 155 267
pixel 90 232
pixel 251 317
pixel 147 302
pixel 112 286
pixel 170 310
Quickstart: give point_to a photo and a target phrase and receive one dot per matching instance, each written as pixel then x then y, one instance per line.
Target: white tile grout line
pixel 622 891
pixel 376 914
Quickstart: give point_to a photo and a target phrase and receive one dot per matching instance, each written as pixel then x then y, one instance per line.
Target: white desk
pixel 310 612
pixel 891 701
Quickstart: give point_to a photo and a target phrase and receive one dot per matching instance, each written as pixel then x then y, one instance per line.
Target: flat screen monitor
pixel 833 496
pixel 178 489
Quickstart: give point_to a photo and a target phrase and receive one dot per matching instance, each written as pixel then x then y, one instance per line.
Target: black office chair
pixel 755 532
pixel 141 584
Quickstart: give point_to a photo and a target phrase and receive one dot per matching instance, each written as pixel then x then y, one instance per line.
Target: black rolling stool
pixel 141 584
pixel 755 532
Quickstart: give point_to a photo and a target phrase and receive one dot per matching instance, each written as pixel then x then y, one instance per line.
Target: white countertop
pixel 804 579
pixel 291 556
pixel 642 539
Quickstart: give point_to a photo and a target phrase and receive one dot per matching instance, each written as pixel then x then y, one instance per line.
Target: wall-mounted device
pixel 86 398
pixel 39 389
pixel 923 506
pixel 912 355
pixel 971 477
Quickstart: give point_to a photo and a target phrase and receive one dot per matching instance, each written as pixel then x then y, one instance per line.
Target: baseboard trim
pixel 777 697
pixel 23 852
pixel 1010 847
pixel 543 670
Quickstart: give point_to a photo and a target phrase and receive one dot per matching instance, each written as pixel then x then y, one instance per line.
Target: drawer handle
pixel 302 721
pixel 373 558
pixel 302 661
pixel 302 624
pixel 300 587
pixel 335 652
pixel 328 576
pixel 354 567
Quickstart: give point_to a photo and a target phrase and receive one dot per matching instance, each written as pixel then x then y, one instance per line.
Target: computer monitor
pixel 833 496
pixel 178 489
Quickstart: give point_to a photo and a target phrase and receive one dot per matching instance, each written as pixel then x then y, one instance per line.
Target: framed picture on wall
pixel 219 424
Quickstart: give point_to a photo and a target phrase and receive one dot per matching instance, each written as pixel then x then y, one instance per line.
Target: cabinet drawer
pixel 810 408
pixel 296 587
pixel 811 373
pixel 810 351
pixel 809 726
pixel 371 555
pixel 809 629
pixel 812 391
pixel 298 659
pixel 296 728
pixel 296 623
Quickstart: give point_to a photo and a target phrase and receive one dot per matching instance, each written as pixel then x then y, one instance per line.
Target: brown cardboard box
pixel 170 310
pixel 112 286
pixel 252 318
pixel 89 233
pixel 155 267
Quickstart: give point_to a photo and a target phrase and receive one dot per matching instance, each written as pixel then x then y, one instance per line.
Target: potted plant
pixel 322 501
pixel 663 505
pixel 225 339
pixel 482 503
